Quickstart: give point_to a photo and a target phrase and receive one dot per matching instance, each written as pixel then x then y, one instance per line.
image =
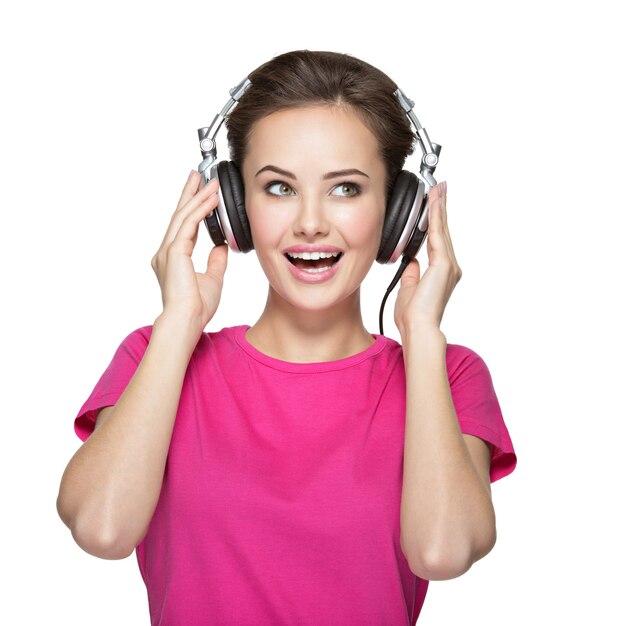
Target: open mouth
pixel 314 264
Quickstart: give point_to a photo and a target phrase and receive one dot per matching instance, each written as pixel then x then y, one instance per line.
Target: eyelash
pixel 357 189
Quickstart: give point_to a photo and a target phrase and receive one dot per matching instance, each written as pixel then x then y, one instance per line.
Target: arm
pixel 111 486
pixel 447 515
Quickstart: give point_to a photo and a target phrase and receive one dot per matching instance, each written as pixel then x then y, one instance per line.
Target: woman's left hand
pixel 420 302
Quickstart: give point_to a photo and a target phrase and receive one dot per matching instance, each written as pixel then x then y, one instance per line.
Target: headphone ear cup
pixel 421 223
pixel 396 217
pixel 214 228
pixel 233 196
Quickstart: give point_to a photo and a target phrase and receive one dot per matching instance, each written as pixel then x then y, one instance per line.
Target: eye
pixel 352 189
pixel 281 186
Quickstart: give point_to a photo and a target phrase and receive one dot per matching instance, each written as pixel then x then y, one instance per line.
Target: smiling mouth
pixel 308 264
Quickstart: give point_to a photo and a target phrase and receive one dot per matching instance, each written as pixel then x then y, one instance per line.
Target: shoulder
pixel 463 361
pixel 134 345
pixel 225 342
pixel 460 359
pixel 458 353
pixel 226 335
pixel 141 336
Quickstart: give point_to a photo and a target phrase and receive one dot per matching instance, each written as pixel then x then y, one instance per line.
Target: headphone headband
pixel 207 135
pixel 208 147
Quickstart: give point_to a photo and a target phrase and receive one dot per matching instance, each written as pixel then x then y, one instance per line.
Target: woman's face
pixel 297 199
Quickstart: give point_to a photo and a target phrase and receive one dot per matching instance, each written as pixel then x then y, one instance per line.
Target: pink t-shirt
pixel 280 503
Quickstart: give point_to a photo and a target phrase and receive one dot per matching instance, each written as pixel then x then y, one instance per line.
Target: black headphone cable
pixel 403 265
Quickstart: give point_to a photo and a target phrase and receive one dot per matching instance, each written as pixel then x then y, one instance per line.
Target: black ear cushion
pixel 397 214
pixel 233 193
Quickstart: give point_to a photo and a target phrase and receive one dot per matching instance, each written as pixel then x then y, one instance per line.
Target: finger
pixel 443 193
pixel 439 246
pixel 435 240
pixel 208 194
pixel 411 274
pixel 183 240
pixel 190 193
pixel 189 222
pixel 217 262
pixel 193 184
pixel 446 229
pixel 190 187
pixel 434 207
pixel 444 216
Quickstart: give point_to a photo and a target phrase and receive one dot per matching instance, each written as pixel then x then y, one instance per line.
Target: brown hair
pixel 305 77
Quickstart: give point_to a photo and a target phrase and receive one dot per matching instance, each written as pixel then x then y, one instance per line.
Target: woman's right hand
pixel 185 292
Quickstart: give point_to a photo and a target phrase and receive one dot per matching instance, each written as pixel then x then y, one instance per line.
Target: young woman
pixel 301 470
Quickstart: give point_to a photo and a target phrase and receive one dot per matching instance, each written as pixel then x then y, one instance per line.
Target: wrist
pixel 186 328
pixel 424 345
pixel 422 333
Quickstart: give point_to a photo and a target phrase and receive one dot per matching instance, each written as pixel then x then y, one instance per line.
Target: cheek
pixel 364 230
pixel 265 224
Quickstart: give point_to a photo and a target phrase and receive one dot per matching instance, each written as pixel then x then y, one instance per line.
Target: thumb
pixel 218 260
pixel 411 275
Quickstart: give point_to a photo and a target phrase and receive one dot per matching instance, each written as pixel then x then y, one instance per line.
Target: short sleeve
pixel 113 381
pixel 477 407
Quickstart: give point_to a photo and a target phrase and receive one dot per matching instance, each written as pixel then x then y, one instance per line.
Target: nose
pixel 310 220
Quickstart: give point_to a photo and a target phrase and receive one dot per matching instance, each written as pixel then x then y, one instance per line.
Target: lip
pixel 311 248
pixel 316 277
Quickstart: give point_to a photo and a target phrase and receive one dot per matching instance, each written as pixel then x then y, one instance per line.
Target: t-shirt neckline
pixel 319 366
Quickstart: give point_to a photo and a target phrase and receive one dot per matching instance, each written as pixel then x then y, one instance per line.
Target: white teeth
pixel 315 270
pixel 312 256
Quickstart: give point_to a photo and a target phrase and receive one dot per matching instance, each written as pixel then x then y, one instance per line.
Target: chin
pixel 309 301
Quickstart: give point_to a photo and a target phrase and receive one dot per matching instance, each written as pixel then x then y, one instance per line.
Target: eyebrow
pixel 327 176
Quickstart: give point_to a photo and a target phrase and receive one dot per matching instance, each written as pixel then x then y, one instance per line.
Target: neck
pixel 307 336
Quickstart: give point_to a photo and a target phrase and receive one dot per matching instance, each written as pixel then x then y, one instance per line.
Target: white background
pixel 101 106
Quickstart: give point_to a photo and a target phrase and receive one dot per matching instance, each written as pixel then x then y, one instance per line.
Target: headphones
pixel 406 217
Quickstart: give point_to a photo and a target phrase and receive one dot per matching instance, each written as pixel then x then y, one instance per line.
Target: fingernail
pixel 444 186
pixel 190 174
